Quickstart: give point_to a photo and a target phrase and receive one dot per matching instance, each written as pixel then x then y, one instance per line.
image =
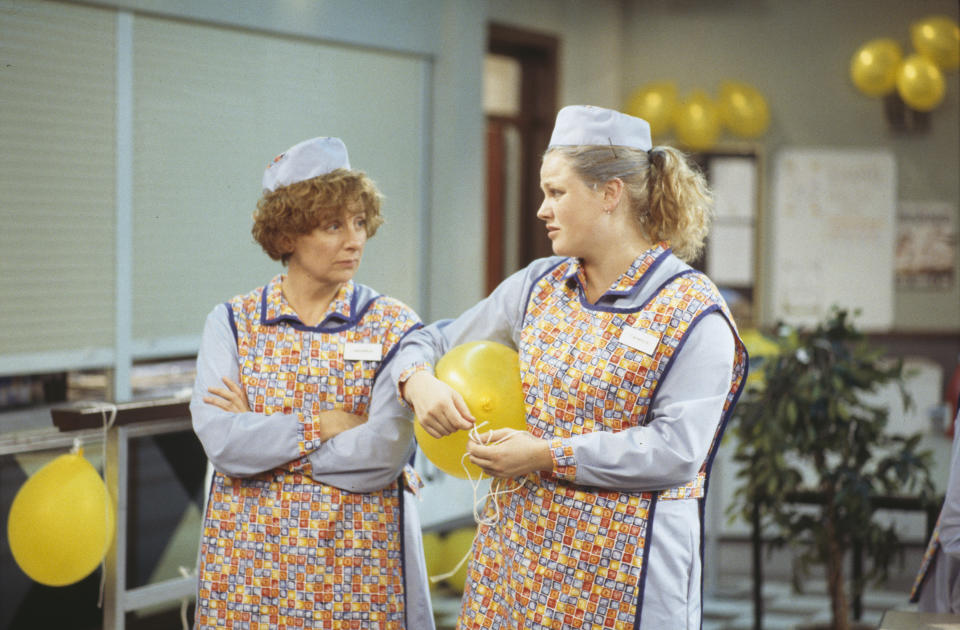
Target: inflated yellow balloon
pixel 61 522
pixel 697 121
pixel 873 68
pixel 920 83
pixel 456 545
pixel 487 375
pixel 937 37
pixel 743 109
pixel 433 554
pixel 655 103
pixel 759 348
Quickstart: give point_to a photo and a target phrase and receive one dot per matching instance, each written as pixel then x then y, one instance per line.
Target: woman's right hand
pixel 231 398
pixel 439 408
pixel 335 421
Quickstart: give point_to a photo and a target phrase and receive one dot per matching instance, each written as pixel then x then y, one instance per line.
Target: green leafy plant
pixel 806 423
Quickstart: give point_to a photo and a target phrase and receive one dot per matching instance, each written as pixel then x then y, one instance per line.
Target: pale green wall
pixel 797 54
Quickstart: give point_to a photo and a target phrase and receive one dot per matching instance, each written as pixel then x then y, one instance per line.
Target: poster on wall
pixel 926 245
pixel 834 214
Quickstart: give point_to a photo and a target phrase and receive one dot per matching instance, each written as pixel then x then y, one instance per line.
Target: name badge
pixel 640 339
pixel 363 351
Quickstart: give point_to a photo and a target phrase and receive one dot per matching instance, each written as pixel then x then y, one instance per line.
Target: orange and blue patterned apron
pixel 569 556
pixel 926 565
pixel 279 549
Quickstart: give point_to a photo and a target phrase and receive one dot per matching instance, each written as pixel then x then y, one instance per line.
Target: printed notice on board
pixel 833 237
pixel 926 245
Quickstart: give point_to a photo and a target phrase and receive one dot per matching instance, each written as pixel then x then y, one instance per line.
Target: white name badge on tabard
pixel 363 351
pixel 639 339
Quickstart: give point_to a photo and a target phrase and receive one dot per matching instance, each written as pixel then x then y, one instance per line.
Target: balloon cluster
pixel 879 67
pixel 698 120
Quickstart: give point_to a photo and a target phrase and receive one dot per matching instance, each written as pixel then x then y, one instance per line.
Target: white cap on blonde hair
pixel 306 160
pixel 586 125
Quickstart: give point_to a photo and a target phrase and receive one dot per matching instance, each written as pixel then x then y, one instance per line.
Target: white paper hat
pixel 306 160
pixel 586 125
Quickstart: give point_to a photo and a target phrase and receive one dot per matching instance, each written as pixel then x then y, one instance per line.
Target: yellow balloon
pixel 743 109
pixel 487 375
pixel 655 103
pixel 61 522
pixel 920 83
pixel 698 122
pixel 433 554
pixel 760 348
pixel 937 37
pixel 456 545
pixel 873 68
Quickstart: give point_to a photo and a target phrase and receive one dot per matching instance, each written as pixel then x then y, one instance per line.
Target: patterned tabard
pixel 279 549
pixel 569 556
pixel 926 564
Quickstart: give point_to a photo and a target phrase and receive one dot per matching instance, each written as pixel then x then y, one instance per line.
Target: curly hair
pixel 669 198
pixel 300 208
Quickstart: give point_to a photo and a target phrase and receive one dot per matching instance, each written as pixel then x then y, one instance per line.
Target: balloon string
pixel 493 493
pixel 185 602
pixel 105 408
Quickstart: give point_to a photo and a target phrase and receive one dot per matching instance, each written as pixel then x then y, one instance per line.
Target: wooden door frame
pixel 537 54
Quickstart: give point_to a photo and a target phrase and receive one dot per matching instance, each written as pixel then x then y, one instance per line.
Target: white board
pixel 834 214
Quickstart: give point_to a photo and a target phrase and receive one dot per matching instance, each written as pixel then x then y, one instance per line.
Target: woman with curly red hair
pixel 310 520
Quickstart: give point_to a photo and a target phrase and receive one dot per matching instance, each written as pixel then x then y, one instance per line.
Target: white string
pixel 185 602
pixel 104 408
pixel 478 518
pixel 481 501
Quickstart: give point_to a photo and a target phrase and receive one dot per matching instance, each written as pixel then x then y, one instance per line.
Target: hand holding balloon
pixel 510 453
pixel 476 382
pixel 440 409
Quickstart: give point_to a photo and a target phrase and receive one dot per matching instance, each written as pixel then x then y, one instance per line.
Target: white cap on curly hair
pixel 306 160
pixel 586 125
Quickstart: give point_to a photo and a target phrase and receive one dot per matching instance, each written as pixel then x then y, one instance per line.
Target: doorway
pixel 520 102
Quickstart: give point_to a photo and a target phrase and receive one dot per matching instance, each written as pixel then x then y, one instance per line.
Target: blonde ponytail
pixel 679 204
pixel 668 197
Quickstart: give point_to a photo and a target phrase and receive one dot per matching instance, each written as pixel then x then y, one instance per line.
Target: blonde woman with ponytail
pixel 631 364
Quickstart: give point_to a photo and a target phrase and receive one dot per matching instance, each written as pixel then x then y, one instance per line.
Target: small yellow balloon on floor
pixel 487 375
pixel 456 545
pixel 61 521
pixel 433 554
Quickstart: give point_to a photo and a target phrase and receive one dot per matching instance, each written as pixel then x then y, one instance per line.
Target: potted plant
pixel 805 423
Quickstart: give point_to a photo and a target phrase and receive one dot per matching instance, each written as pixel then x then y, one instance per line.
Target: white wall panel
pixel 56 178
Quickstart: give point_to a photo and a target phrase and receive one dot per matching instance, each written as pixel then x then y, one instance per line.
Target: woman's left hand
pixel 231 398
pixel 510 453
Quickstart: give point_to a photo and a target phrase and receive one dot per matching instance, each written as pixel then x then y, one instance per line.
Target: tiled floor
pixel 731 608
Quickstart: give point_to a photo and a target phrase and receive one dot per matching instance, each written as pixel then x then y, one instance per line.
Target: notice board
pixel 833 221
